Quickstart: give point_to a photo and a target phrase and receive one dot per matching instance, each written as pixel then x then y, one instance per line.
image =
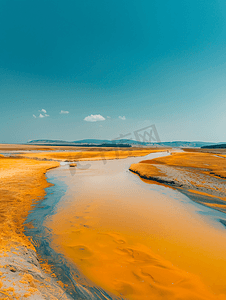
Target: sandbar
pixel 199 175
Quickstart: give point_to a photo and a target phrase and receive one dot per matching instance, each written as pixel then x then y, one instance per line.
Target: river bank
pixel 200 176
pixel 22 274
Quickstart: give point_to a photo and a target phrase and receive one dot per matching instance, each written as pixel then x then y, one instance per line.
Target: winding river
pixel 108 234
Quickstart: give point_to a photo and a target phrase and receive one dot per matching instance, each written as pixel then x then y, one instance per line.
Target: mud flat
pixel 22 274
pixel 201 176
pixel 135 240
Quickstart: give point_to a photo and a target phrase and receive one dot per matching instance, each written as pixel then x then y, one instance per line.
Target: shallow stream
pixel 108 234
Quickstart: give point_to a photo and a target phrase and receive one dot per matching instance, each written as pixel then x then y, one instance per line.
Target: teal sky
pixel 127 63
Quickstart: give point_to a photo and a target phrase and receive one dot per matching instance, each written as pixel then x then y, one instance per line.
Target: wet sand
pixel 201 176
pixel 22 181
pixel 136 240
pixel 21 275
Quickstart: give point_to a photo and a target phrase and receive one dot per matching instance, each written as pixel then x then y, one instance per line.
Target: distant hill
pixel 184 144
pixel 215 146
pixel 118 143
pixel 86 143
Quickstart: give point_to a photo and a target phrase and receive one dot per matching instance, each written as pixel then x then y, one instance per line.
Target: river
pixel 109 234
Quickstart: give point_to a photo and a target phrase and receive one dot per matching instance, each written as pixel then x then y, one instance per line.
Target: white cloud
pixel 64 112
pixel 94 118
pixel 43 114
pixel 108 117
pixel 122 118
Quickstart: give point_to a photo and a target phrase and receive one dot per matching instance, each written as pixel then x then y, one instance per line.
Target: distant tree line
pixel 219 146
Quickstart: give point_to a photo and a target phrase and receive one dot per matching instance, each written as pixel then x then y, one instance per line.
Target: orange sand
pixel 22 182
pixel 124 264
pixel 221 151
pixel 215 165
pixel 91 155
pixel 202 175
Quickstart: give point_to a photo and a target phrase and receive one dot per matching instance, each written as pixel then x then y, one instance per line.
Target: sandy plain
pixel 23 182
pixel 118 247
pixel 90 154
